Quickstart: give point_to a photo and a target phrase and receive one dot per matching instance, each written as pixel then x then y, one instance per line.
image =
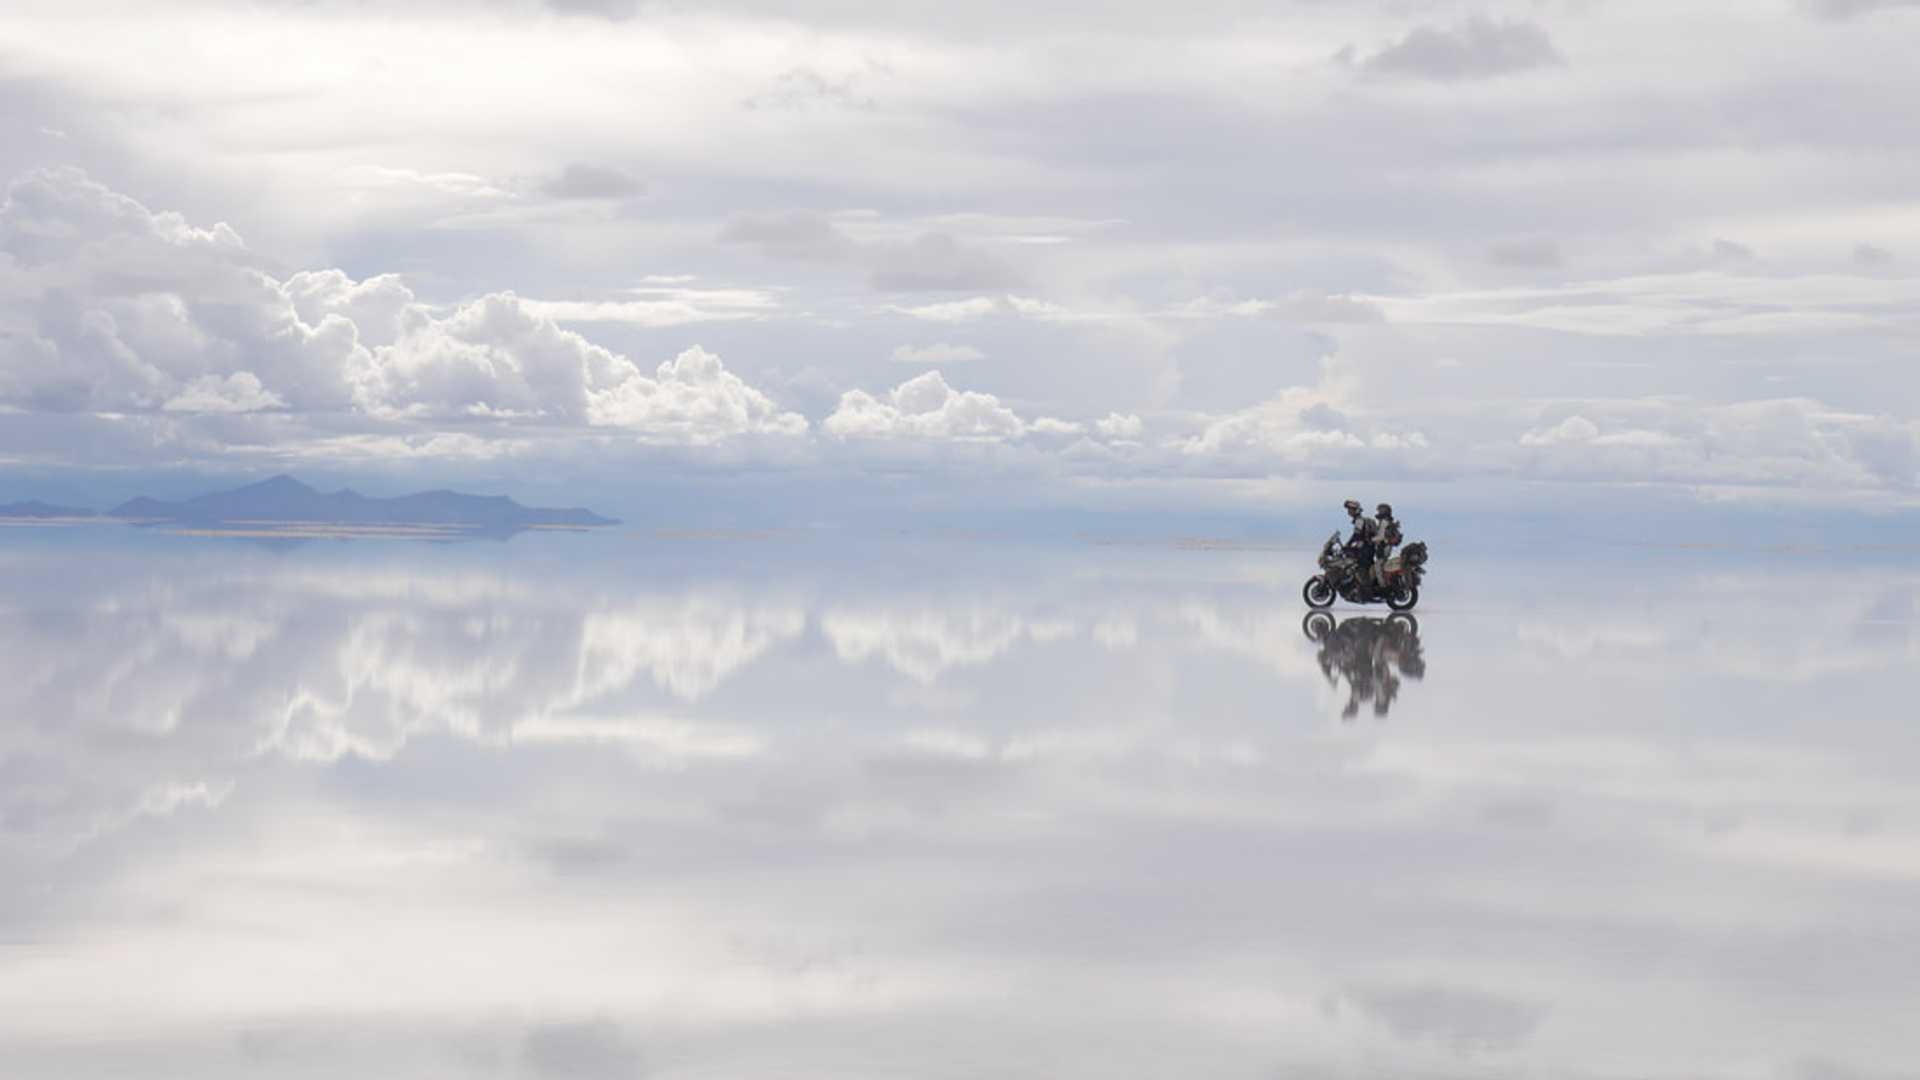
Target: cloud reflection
pixel 610 817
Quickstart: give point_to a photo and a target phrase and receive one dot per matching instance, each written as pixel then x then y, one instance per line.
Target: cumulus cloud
pixel 237 393
pixel 1300 426
pixel 1788 441
pixel 924 407
pixel 1574 429
pixel 108 306
pixel 1475 49
pixel 692 398
pixel 935 354
pixel 1119 426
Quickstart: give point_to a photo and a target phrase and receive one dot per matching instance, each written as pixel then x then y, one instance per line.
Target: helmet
pixel 1384 510
pixel 1352 505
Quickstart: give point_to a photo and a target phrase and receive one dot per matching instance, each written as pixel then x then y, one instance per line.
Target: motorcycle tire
pixel 1404 601
pixel 1316 625
pixel 1317 592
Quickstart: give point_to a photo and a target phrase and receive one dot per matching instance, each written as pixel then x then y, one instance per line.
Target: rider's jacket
pixel 1366 532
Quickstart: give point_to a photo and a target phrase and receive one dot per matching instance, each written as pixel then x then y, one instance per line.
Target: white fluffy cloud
pixel 1785 442
pixel 925 407
pixel 107 306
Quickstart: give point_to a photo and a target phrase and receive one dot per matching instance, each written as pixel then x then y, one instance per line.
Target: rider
pixel 1366 533
pixel 1386 538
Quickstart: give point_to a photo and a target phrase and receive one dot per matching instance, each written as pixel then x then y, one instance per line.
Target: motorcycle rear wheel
pixel 1317 592
pixel 1404 600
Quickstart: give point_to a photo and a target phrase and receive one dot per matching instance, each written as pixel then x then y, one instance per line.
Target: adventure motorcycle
pixel 1341 578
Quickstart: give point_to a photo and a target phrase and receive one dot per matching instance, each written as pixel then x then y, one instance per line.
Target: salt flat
pixel 648 805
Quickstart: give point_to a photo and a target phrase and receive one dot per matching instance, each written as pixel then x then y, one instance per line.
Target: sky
pixel 1153 253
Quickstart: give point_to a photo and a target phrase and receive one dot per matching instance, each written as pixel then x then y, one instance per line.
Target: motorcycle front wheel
pixel 1404 599
pixel 1317 625
pixel 1317 593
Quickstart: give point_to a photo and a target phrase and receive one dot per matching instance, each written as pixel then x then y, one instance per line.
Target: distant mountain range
pixel 283 501
pixel 35 509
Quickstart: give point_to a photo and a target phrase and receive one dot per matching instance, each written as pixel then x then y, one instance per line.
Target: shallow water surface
pixel 772 806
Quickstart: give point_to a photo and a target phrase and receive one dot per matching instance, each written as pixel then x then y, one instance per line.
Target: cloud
pixel 1703 302
pixel 1119 426
pixel 582 180
pixel 1871 255
pixel 616 10
pixel 1301 306
pixel 693 399
pixel 583 1050
pixel 1478 48
pixel 1048 425
pixel 1574 429
pixel 237 393
pixel 793 235
pixel 1531 252
pixel 1300 427
pixel 1464 1020
pixel 936 354
pixel 801 88
pixel 924 407
pixel 663 305
pixel 1847 9
pixel 936 261
pixel 116 308
pixel 1784 442
pixel 1732 251
pixel 950 311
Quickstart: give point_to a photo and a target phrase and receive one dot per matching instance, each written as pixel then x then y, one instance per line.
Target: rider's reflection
pixel 1370 653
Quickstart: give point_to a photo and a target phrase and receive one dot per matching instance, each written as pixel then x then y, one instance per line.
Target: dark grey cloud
pixel 1532 251
pixel 1475 49
pixel 794 235
pixel 605 9
pixel 1847 9
pixel 582 180
pixel 590 1049
pixel 936 261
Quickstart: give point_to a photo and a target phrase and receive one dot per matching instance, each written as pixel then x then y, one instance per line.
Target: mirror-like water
pixel 732 807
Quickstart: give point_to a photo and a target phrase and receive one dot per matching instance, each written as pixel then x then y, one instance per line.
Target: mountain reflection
pixel 1370 654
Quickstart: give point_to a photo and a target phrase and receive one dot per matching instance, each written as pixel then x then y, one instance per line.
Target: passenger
pixel 1387 536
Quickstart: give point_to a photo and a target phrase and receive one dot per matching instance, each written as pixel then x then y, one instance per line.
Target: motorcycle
pixel 1341 578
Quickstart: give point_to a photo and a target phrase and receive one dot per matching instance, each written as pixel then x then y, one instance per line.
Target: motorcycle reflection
pixel 1370 653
